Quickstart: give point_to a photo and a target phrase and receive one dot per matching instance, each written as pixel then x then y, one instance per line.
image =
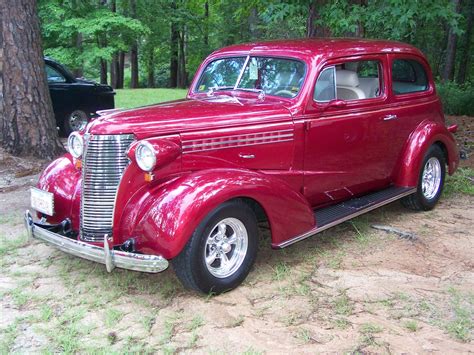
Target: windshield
pixel 273 76
pixel 221 73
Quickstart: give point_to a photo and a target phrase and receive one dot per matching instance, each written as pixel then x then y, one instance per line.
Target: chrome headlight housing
pixel 75 145
pixel 145 155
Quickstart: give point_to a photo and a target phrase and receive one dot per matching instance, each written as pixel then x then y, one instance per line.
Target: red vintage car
pixel 304 134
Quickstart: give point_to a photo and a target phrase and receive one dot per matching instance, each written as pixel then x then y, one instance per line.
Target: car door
pixel 347 130
pixel 412 99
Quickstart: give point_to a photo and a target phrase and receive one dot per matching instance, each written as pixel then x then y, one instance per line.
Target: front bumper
pixel 104 255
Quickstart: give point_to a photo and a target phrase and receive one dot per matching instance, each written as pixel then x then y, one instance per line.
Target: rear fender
pixel 169 214
pixel 426 134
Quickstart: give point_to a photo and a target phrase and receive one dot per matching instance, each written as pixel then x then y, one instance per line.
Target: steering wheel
pixel 284 93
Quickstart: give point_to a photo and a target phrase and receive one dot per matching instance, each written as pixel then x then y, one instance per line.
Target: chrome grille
pixel 104 161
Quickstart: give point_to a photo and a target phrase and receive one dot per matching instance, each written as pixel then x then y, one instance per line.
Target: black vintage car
pixel 75 100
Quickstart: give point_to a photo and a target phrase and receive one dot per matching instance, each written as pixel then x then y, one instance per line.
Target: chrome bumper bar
pixel 111 258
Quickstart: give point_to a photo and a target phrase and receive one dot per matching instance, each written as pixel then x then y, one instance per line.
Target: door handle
pixel 390 117
pixel 246 156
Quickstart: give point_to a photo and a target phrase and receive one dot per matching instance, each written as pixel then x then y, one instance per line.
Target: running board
pixel 333 215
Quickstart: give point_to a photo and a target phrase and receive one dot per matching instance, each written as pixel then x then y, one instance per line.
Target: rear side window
pixel 408 76
pixel 54 76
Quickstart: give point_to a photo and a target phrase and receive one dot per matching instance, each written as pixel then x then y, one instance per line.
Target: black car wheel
pixel 430 181
pixel 74 121
pixel 221 251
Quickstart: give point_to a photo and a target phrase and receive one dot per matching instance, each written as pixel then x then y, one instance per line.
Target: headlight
pixel 145 156
pixel 75 144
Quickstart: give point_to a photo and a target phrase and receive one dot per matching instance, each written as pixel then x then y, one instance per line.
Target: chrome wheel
pixel 431 178
pixel 77 120
pixel 226 247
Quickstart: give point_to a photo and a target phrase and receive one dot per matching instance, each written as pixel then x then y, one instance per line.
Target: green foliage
pixel 457 99
pixel 80 33
pixel 100 31
pixel 461 182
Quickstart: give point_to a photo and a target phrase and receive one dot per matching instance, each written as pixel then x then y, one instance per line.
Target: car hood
pixel 189 115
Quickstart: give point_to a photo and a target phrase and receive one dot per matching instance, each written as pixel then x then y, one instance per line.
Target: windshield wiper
pixel 213 89
pixel 261 92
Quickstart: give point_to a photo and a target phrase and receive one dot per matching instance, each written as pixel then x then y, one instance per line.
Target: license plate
pixel 42 201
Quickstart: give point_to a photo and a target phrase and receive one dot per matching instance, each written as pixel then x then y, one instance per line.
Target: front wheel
pixel 221 251
pixel 430 182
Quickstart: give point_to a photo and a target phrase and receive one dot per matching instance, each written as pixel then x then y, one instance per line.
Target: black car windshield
pixel 273 76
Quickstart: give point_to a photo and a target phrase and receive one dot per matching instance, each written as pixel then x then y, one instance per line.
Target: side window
pixel 355 80
pixel 325 89
pixel 54 76
pixel 408 76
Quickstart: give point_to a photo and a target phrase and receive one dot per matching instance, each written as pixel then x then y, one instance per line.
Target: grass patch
pixel 462 324
pixel 9 244
pixel 236 322
pixel 411 325
pixel 281 271
pixel 370 328
pixel 361 226
pixel 196 323
pixel 129 98
pixel 304 335
pixel 9 336
pixel 10 219
pixel 341 323
pixel 112 317
pixel 69 332
pixel 342 305
pixel 461 182
pixel 148 322
pixel 19 297
pixel 169 327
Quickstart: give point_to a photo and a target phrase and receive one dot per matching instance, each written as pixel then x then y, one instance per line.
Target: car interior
pixel 353 81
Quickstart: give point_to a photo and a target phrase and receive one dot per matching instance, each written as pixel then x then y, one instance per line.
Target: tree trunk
pixel 78 72
pixel 253 24
pixel 151 69
pixel 27 123
pixel 134 66
pixel 448 72
pixel 103 71
pixel 114 68
pixel 174 52
pixel 134 51
pixel 313 28
pixel 206 24
pixel 464 62
pixel 77 43
pixel 182 75
pixel 121 69
pixel 310 28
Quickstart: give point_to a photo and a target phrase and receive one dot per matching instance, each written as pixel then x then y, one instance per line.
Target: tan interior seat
pixel 370 86
pixel 347 85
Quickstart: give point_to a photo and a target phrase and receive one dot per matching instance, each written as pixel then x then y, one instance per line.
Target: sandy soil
pixel 350 289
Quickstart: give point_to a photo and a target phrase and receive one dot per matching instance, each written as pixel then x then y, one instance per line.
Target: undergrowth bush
pixel 457 99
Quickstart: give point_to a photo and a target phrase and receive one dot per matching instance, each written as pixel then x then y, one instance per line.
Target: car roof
pixel 316 47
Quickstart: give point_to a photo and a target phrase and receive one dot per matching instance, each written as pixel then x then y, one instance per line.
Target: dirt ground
pixel 350 289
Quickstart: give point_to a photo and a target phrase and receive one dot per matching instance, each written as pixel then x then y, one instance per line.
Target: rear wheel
pixel 74 121
pixel 430 182
pixel 221 251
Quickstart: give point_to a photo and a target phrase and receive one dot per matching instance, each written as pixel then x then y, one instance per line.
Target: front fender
pixel 168 215
pixel 426 134
pixel 63 179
